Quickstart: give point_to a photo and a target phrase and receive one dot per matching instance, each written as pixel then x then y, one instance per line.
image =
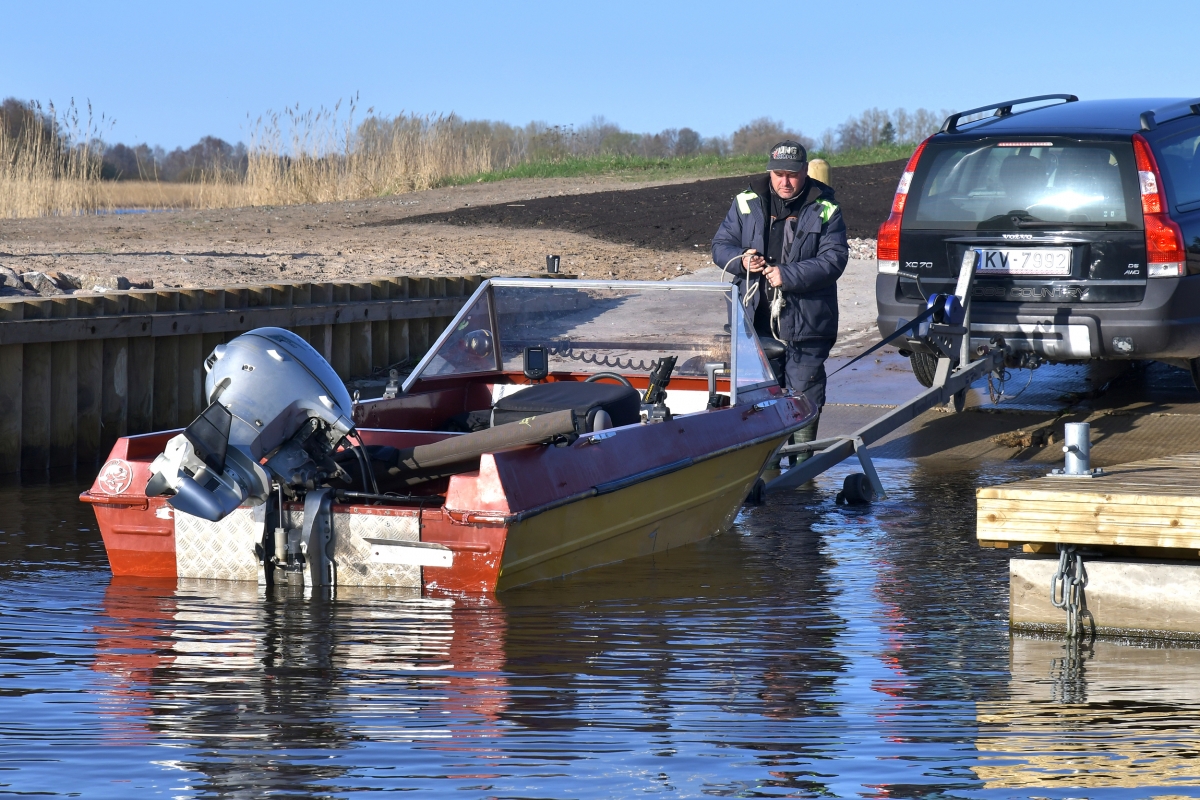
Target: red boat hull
pixel 526 514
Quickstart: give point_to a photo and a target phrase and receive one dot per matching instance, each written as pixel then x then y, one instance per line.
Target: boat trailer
pixel 943 330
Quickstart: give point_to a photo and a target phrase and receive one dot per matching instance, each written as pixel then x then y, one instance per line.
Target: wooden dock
pixel 1147 508
pixel 79 371
pixel 1138 530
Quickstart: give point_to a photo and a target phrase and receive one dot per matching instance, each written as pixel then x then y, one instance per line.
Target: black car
pixel 1083 218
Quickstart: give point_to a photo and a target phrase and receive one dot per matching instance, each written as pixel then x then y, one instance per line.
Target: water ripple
pixel 815 651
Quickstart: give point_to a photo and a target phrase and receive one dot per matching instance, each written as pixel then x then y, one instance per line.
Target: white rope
pixel 774 295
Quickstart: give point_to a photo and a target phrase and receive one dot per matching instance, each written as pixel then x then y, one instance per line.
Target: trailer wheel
pixel 856 491
pixel 924 366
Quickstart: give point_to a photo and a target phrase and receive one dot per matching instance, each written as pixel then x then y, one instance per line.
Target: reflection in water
pixel 1100 714
pixel 815 651
pixel 263 680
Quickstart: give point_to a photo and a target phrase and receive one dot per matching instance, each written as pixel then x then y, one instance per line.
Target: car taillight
pixel 887 244
pixel 1165 251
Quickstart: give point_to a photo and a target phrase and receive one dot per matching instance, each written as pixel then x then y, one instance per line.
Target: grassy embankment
pixel 636 168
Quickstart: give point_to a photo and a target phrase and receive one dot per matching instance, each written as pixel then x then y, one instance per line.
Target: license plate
pixel 1024 261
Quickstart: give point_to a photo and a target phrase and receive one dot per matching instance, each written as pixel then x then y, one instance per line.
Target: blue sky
pixel 171 72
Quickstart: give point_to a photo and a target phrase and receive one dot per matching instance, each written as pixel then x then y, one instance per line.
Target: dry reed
pixel 294 157
pixel 50 166
pixel 163 194
pixel 311 157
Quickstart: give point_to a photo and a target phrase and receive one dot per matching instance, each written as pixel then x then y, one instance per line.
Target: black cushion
pixel 621 403
pixel 776 353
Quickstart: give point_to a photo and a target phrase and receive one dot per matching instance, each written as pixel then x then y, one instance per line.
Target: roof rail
pixel 1153 118
pixel 1002 109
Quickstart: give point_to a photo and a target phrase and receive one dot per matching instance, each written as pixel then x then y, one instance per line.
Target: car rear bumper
pixel 1164 325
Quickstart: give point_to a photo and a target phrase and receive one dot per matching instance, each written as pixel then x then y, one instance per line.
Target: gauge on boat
pixel 537 364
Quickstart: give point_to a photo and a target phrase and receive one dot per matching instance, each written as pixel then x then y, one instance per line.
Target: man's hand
pixel 752 261
pixel 773 276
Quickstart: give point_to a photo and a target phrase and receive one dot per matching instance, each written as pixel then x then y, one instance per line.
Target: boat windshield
pixel 597 326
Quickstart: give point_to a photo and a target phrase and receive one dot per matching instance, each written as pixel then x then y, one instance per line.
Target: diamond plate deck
pixel 352 554
pixel 221 550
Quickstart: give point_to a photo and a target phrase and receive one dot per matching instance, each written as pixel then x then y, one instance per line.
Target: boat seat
pixel 776 353
pixel 595 406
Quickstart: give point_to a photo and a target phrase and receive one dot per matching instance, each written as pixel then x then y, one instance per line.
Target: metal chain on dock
pixel 1067 585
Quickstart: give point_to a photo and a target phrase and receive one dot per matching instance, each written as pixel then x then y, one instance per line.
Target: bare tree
pixel 687 143
pixel 757 137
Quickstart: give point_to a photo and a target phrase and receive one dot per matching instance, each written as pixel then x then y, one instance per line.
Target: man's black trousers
pixel 804 369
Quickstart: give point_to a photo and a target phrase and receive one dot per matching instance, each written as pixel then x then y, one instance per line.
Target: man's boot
pixel 806 434
pixel 803 436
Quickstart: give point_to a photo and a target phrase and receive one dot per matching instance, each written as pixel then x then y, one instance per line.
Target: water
pixel 814 651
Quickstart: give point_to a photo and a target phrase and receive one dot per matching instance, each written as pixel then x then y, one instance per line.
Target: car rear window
pixel 1178 160
pixel 1005 185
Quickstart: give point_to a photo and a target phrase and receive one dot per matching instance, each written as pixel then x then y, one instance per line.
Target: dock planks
pixel 1143 504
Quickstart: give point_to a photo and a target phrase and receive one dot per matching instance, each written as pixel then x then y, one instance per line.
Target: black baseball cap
pixel 788 155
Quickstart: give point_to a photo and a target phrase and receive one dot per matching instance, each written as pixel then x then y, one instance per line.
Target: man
pixel 786 238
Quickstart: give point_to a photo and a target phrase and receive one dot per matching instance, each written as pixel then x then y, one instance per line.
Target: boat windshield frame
pixel 485 288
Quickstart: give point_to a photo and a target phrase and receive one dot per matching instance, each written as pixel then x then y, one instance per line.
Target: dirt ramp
pixel 681 216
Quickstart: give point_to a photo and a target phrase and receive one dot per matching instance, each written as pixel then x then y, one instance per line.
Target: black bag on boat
pixel 585 400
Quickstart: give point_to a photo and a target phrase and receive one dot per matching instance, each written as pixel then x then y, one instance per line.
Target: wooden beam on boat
pixel 79 371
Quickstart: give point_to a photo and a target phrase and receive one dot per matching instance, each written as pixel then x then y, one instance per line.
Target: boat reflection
pixel 277 688
pixel 1093 715
pixel 219 666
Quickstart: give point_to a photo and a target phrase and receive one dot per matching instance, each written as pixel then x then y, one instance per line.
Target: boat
pixel 555 425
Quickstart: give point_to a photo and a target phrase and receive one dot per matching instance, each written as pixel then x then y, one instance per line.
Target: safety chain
pixel 996 387
pixel 1067 585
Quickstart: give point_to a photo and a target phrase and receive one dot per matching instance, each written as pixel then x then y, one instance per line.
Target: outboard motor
pixel 271 395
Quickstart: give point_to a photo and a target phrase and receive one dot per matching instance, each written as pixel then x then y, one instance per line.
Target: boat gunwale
pixel 650 474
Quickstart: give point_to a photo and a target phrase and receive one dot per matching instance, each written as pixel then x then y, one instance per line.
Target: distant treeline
pixel 499 145
pixel 120 162
pixel 60 161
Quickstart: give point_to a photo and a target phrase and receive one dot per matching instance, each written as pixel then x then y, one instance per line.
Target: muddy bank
pixel 602 227
pixel 674 217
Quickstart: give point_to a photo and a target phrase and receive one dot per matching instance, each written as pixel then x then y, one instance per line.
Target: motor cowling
pixel 271 396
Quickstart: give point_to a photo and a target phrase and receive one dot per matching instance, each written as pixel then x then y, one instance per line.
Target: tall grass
pixel 169 195
pixel 49 165
pixel 313 157
pixel 53 166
